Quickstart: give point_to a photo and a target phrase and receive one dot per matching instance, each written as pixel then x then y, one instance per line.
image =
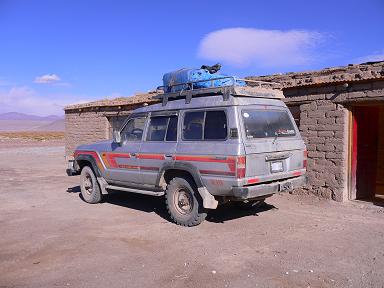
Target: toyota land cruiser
pixel 199 148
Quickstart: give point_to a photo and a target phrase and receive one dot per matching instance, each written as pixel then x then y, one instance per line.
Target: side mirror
pixel 117 137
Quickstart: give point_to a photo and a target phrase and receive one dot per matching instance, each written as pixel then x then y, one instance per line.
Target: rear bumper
pixel 268 189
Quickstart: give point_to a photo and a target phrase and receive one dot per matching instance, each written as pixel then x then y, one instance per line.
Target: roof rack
pixel 253 88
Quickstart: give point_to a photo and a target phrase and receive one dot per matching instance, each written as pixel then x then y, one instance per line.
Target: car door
pixel 159 145
pixel 205 144
pixel 122 163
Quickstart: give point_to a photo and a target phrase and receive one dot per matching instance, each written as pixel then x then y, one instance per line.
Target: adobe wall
pixel 84 127
pixel 324 128
pixel 89 122
pixel 324 125
pixel 88 125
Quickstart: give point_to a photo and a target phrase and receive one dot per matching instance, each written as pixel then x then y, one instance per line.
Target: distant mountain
pixel 27 117
pixel 57 125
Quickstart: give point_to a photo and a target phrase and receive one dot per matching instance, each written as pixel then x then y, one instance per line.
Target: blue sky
pixel 57 52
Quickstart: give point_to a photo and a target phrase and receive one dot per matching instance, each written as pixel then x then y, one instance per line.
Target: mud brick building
pixel 339 111
pixel 95 121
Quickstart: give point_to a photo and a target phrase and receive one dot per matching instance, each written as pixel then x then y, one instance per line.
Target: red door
pixel 364 150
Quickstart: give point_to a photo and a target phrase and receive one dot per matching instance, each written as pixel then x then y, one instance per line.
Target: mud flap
pixel 102 184
pixel 209 201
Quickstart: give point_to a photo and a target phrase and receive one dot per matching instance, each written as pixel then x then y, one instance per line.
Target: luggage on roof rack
pixel 187 79
pixel 256 89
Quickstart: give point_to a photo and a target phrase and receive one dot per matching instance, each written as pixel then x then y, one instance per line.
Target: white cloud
pixel 377 56
pixel 242 47
pixel 27 100
pixel 47 79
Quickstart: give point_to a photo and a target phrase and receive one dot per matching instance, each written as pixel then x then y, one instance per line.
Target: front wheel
pixel 90 189
pixel 184 203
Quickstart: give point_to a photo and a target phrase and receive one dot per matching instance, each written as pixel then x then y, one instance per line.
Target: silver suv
pixel 199 148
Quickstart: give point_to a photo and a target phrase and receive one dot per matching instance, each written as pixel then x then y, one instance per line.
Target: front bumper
pixel 269 188
pixel 71 171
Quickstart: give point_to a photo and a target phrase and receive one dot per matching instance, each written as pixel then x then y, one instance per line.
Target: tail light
pixel 240 167
pixel 305 157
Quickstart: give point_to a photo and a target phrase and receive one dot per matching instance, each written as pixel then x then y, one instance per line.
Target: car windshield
pixel 267 123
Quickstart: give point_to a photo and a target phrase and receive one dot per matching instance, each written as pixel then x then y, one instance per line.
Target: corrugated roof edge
pixel 136 99
pixel 341 74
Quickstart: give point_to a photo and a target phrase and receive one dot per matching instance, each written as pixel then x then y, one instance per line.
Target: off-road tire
pixel 184 215
pixel 90 189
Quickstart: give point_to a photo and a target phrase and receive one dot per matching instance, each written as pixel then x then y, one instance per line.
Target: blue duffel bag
pixel 174 81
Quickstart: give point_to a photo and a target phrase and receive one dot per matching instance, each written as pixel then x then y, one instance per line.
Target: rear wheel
pixel 184 203
pixel 90 189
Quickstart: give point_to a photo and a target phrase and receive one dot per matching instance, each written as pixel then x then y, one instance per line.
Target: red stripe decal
pixel 93 154
pixel 297 173
pixel 124 166
pixel 212 172
pixel 229 160
pixel 110 159
pixel 148 168
pixel 151 156
pixel 119 155
pixel 253 181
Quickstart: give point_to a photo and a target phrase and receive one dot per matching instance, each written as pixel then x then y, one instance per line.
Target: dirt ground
pixel 30 139
pixel 51 238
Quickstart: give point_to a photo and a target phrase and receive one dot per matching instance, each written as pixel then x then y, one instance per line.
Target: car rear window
pixel 267 123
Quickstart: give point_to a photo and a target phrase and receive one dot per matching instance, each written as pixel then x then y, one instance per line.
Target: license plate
pixel 277 167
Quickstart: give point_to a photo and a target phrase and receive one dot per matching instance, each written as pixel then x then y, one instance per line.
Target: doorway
pixel 367 163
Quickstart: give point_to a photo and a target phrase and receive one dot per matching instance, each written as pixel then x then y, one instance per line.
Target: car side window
pixel 133 131
pixel 205 125
pixel 172 129
pixel 215 126
pixel 162 128
pixel 157 128
pixel 193 125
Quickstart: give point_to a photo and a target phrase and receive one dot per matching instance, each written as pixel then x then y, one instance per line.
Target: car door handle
pixel 133 154
pixel 168 156
pixel 277 157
